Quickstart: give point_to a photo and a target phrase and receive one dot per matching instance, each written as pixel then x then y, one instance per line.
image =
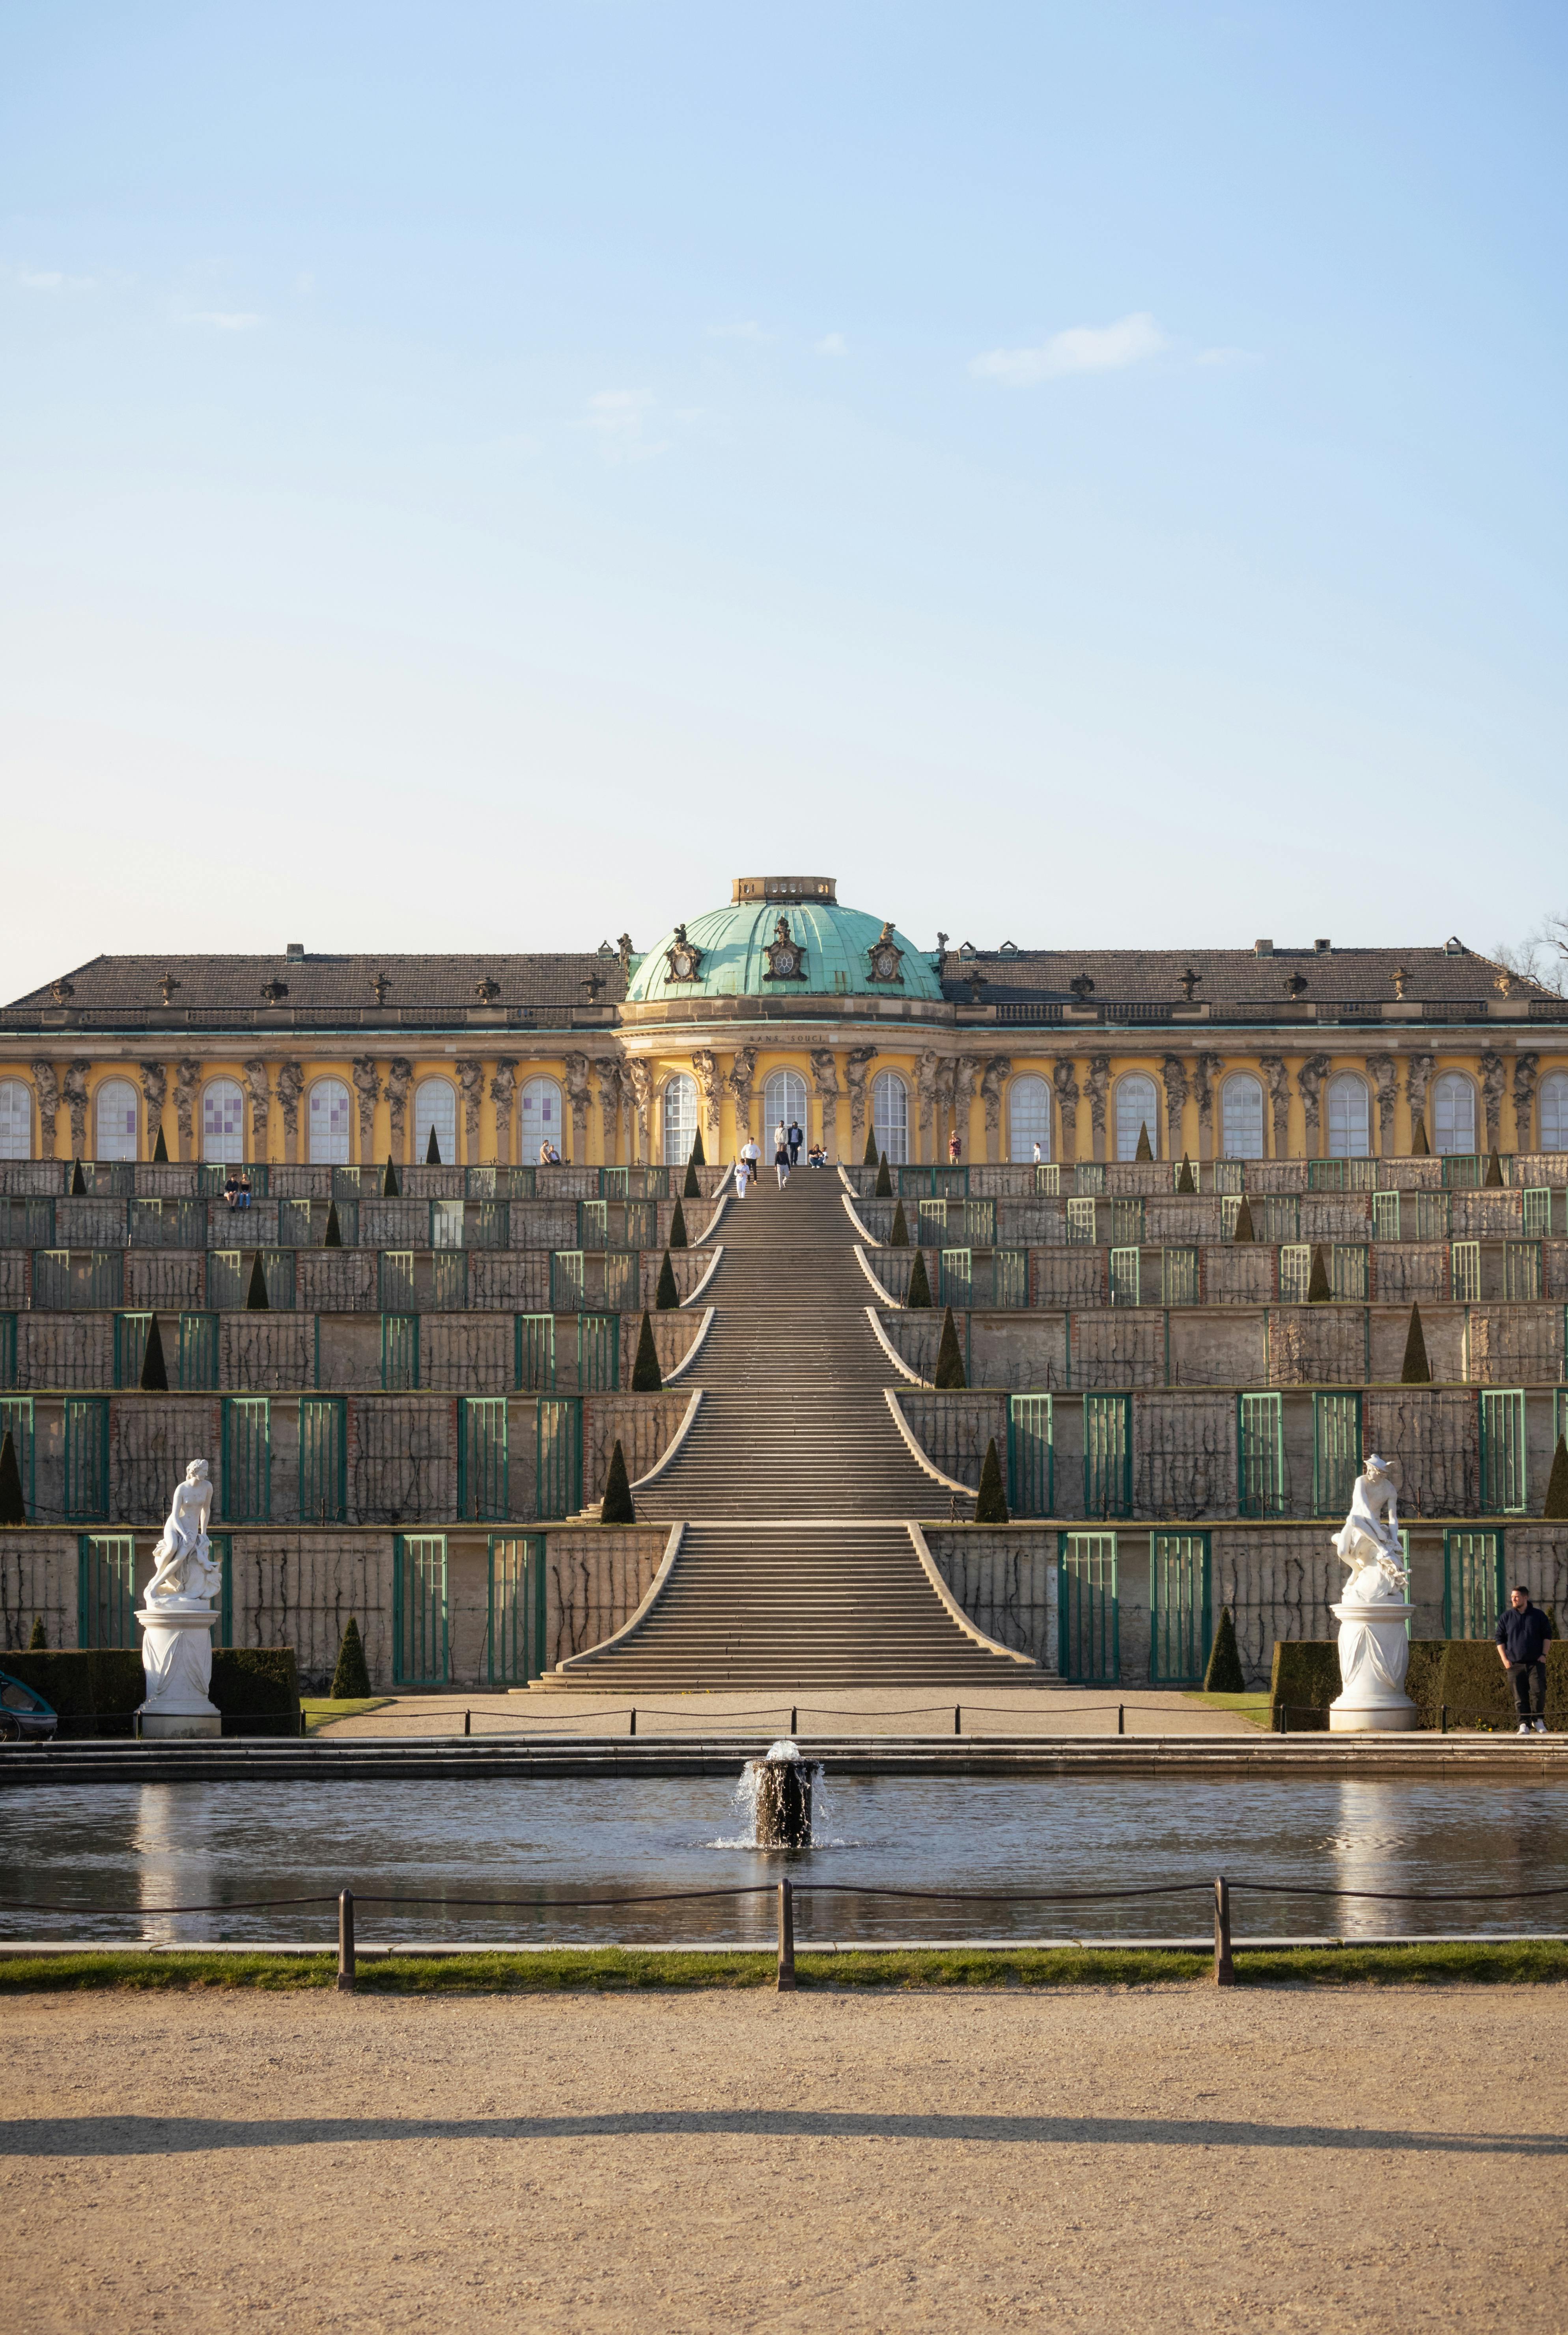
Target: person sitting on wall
pixel 549 1156
pixel 817 1155
pixel 1523 1634
pixel 242 1192
pixel 231 1188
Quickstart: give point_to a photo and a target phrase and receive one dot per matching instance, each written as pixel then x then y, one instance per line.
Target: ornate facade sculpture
pixel 786 957
pixel 1206 1070
pixel 742 1076
pixel 857 1064
pixel 965 1070
pixel 1064 1078
pixel 290 1086
pixel 577 1068
pixel 471 1087
pixel 639 1076
pixel 154 1088
pixel 825 1086
pixel 503 1092
pixel 76 1092
pixel 259 1088
pixel 46 1087
pixel 885 958
pixel 994 1079
pixel 399 1078
pixel 1277 1078
pixel 1526 1071
pixel 1491 1096
pixel 683 958
pixel 365 1072
pixel 186 1080
pixel 925 1091
pixel 705 1069
pixel 1380 1070
pixel 608 1070
pixel 1417 1079
pixel 1097 1087
pixel 1174 1070
pixel 1310 1087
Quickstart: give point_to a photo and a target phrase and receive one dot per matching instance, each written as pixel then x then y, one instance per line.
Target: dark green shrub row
pixel 95 1690
pixel 1461 1673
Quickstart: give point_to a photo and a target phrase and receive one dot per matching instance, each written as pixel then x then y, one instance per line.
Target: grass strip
pixel 320 1712
pixel 613 1970
pixel 1252 1708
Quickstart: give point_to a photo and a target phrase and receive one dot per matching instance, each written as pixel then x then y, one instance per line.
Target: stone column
pixel 1526 1070
pixel 1380 1070
pixel 1417 1079
pixel 1098 1088
pixel 992 1081
pixel 290 1086
pixel 1491 1096
pixel 857 1064
pixel 46 1087
pixel 471 1087
pixel 76 1092
pixel 1205 1071
pixel 365 1073
pixel 1174 1070
pixel 399 1078
pixel 1278 1080
pixel 258 1089
pixel 1310 1087
pixel 154 1088
pixel 578 1096
pixel 1065 1081
pixel 503 1093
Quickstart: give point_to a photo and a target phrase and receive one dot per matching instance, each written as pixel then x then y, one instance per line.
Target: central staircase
pixel 795 1488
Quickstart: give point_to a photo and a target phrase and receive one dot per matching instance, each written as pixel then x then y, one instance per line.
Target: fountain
pixel 778 1787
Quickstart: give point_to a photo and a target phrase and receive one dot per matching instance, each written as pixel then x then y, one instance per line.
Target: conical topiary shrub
pixel 256 1297
pixel 1416 1371
pixel 1144 1148
pixel 919 1290
pixel 690 1189
pixel 698 1156
pixel 78 1181
pixel 432 1151
pixel 950 1375
pixel 332 1236
pixel 1494 1175
pixel 1243 1224
pixel 899 1237
pixel 160 1151
pixel 667 1296
pixel 617 1507
pixel 884 1179
pixel 1186 1181
pixel 1318 1290
pixel 1224 1674
pixel 868 1159
pixel 678 1227
pixel 153 1376
pixel 350 1678
pixel 13 1506
pixel 38 1643
pixel 1555 1504
pixel 647 1378
pixel 389 1188
pixel 990 1508
pixel 1419 1146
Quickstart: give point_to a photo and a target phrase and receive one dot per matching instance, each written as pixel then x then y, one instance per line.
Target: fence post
pixel 468 1729
pixel 1225 1969
pixel 1443 1721
pixel 345 1966
pixel 302 1726
pixel 794 1718
pixel 1284 1718
pixel 956 1709
pixel 632 1728
pixel 786 1938
pixel 1121 1718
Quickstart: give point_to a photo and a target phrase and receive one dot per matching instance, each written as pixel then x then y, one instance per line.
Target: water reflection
pixel 132 1848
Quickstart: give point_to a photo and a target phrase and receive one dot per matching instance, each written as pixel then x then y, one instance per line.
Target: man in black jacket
pixel 1524 1633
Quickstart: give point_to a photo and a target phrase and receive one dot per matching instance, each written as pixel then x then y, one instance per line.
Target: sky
pixel 485 476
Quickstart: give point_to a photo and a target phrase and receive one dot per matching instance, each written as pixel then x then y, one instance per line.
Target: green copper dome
pixel 784 936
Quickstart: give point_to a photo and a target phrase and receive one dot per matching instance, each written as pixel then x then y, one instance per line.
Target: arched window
pixel 1028 1120
pixel 540 1119
pixel 436 1108
pixel 116 1117
pixel 680 1119
pixel 222 1122
pixel 1136 1108
pixel 328 1121
pixel 783 1099
pixel 1454 1112
pixel 1555 1112
pixel 1242 1117
pixel 890 1114
pixel 15 1119
pixel 1348 1118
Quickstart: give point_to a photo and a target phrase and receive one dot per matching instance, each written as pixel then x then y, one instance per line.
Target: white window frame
pixel 1553 1092
pixel 891 1129
pixel 1127 1127
pixel 334 1151
pixel 1342 1144
pixel 425 1118
pixel 780 1089
pixel 118 1142
pixel 15 1119
pixel 1454 1082
pixel 1236 1085
pixel 216 1147
pixel 535 1127
pixel 1032 1126
pixel 678 1128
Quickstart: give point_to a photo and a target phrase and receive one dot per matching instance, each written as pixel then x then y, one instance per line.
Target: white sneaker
pixel 1524 1728
pixel 1540 1727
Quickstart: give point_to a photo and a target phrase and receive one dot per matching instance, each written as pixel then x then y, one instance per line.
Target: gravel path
pixel 1145 2161
pixel 853 1710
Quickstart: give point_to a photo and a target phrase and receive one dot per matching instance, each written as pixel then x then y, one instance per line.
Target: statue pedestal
pixel 1374 1655
pixel 177 1657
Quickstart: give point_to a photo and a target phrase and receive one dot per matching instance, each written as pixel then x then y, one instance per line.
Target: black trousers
pixel 1523 1677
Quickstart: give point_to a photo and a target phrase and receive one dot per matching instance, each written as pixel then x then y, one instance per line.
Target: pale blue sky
pixel 484 476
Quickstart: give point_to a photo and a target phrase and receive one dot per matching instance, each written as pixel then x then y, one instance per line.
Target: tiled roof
pixel 1229 976
pixel 323 980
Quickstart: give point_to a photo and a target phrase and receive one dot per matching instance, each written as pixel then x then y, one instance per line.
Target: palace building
pixel 408 1246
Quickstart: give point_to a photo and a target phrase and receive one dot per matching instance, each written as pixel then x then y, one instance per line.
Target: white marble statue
pixel 176 1616
pixel 1373 1612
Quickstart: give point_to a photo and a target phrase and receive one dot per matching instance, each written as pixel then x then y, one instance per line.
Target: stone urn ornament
pixel 1373 1612
pixel 176 1617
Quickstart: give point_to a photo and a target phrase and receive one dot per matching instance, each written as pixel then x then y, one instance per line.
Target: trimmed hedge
pixel 1306 1677
pixel 1224 1674
pixel 1461 1673
pixel 96 1690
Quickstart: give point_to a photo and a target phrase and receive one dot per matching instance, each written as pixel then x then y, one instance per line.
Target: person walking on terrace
pixel 752 1153
pixel 794 1136
pixel 1523 1634
pixel 781 1162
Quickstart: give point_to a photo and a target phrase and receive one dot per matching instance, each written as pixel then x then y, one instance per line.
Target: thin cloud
pixel 617 417
pixel 50 279
pixel 747 330
pixel 832 344
pixel 225 320
pixel 1082 348
pixel 1228 356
